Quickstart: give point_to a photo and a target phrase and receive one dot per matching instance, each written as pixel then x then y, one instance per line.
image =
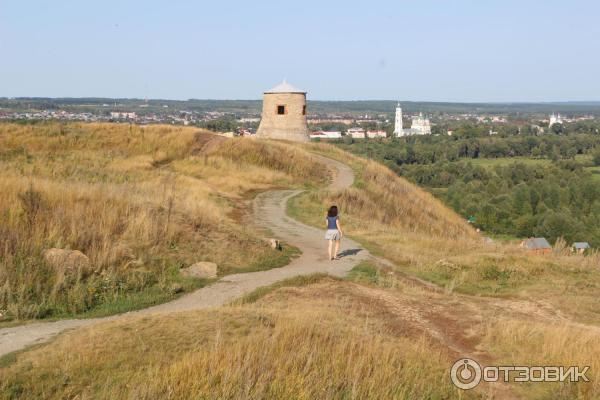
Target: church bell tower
pixel 398 130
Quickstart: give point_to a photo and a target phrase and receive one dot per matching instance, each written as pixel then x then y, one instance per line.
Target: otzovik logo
pixel 467 373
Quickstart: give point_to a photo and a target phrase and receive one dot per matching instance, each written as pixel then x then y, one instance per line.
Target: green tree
pixel 525 225
pixel 557 129
pixel 522 200
pixel 596 157
pixel 558 224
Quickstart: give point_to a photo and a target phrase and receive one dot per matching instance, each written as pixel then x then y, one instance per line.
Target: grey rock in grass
pixel 202 269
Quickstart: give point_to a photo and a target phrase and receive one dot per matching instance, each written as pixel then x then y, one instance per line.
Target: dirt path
pixel 269 212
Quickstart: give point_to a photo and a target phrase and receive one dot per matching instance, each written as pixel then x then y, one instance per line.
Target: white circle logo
pixel 465 373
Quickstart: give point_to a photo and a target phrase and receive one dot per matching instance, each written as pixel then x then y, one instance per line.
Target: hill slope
pixel 422 237
pixel 376 334
pixel 140 202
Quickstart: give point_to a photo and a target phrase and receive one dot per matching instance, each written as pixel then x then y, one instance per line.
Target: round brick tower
pixel 284 114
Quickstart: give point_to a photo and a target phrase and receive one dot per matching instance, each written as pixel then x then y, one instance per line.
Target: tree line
pixel 433 149
pixel 556 197
pixel 519 199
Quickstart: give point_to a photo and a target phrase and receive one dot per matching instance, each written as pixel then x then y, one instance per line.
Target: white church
pixel 419 126
pixel 555 119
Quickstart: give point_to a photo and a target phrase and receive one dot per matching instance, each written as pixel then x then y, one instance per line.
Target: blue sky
pixel 336 50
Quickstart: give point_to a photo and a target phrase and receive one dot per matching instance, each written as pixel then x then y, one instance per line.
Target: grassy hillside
pixel 140 202
pixel 379 201
pixel 510 186
pixel 371 337
pixel 408 226
pixel 269 349
pixel 377 334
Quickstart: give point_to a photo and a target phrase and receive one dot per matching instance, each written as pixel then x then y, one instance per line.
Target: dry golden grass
pixel 536 343
pixel 273 349
pixel 139 201
pixel 333 339
pixel 408 226
pixel 330 339
pixel 383 201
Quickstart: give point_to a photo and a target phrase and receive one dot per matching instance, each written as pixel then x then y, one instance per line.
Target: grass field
pixel 270 348
pixel 396 219
pixel 369 336
pixel 140 202
pixel 376 334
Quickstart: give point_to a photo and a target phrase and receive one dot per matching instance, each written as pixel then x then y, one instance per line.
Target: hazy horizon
pixel 567 102
pixel 450 52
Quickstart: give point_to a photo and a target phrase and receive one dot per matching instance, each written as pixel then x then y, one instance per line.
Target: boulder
pixel 275 244
pixel 66 260
pixel 202 269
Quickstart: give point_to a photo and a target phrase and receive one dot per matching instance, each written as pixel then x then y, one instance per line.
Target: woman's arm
pixel 337 223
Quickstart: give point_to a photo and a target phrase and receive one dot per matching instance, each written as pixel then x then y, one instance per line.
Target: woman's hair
pixel 332 212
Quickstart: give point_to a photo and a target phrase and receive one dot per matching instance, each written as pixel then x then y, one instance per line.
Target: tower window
pixel 304 110
pixel 280 110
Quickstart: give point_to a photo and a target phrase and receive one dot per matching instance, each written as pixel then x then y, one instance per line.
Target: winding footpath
pixel 269 212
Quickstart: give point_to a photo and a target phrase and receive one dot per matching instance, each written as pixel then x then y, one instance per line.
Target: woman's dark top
pixel 331 222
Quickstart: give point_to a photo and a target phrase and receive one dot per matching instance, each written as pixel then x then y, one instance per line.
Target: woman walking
pixel 334 232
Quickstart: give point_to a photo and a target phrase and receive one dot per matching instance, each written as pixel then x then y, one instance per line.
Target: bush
pixel 596 157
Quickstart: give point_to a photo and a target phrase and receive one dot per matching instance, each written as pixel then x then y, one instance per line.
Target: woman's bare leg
pixel 330 248
pixel 337 248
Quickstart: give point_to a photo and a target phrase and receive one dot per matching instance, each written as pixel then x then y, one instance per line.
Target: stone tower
pixel 284 114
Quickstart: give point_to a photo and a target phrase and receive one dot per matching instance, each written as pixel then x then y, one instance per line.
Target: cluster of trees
pixel 336 126
pixel 557 197
pixel 227 123
pixel 433 149
pixel 515 126
pixel 220 125
pixel 519 199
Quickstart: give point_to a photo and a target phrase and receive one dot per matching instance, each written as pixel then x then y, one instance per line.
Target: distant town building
pixel 538 130
pixel 494 118
pixel 376 134
pixel 356 133
pixel 538 245
pixel 326 135
pixel 245 132
pixel 580 247
pixel 344 121
pixel 122 115
pixel 365 120
pixel 284 114
pixel 248 119
pixel 420 125
pixel 555 119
